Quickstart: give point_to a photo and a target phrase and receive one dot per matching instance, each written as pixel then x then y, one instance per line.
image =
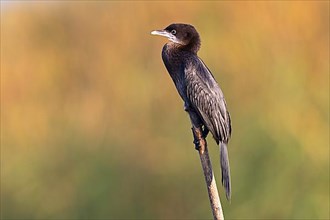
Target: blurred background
pixel 92 126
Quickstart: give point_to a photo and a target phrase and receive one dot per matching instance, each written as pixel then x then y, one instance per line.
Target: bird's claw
pixel 197 144
pixel 205 132
pixel 199 140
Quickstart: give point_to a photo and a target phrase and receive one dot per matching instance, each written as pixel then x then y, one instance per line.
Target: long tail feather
pixel 225 169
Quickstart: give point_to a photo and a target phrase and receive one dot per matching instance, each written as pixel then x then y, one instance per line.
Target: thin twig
pixel 208 173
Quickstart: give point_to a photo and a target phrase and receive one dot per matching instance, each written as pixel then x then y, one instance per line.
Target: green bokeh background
pixel 92 127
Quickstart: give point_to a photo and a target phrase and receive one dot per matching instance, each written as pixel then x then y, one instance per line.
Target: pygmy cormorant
pixel 202 96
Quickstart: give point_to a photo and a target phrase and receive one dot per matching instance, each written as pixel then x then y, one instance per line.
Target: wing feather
pixel 207 99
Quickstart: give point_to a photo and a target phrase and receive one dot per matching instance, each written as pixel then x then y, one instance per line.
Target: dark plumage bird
pixel 202 96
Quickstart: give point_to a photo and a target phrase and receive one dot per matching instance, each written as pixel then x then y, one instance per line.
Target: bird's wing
pixel 207 99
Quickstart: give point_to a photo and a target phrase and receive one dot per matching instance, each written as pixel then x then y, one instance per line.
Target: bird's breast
pixel 174 64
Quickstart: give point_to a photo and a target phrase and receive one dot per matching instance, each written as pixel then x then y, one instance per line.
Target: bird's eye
pixel 173 32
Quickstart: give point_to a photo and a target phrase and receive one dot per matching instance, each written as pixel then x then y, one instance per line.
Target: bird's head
pixel 183 35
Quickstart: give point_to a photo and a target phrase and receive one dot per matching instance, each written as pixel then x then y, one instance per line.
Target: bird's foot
pixel 197 144
pixel 199 140
pixel 205 132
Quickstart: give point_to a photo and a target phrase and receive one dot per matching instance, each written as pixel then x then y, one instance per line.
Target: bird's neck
pixel 173 50
pixel 176 51
pixel 192 47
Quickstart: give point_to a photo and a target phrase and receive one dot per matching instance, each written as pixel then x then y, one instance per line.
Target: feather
pixel 207 99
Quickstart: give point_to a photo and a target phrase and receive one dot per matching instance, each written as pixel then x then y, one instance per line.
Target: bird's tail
pixel 225 169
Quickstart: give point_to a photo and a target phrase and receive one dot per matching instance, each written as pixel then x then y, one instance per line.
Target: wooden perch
pixel 201 146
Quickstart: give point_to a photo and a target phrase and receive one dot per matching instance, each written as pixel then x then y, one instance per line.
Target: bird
pixel 203 99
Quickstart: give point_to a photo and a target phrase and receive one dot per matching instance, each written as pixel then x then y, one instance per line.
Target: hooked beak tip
pixel 153 32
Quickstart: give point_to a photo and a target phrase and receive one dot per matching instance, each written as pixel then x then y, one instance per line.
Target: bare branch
pixel 201 146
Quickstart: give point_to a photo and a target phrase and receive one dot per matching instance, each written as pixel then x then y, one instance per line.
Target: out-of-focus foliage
pixel 92 127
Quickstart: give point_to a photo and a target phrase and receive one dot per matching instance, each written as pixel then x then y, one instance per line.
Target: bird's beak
pixel 162 33
pixel 167 34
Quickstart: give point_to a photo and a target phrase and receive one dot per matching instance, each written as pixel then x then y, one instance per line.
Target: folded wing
pixel 207 99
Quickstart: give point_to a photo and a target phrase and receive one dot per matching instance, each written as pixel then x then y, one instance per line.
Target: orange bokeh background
pixel 92 127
